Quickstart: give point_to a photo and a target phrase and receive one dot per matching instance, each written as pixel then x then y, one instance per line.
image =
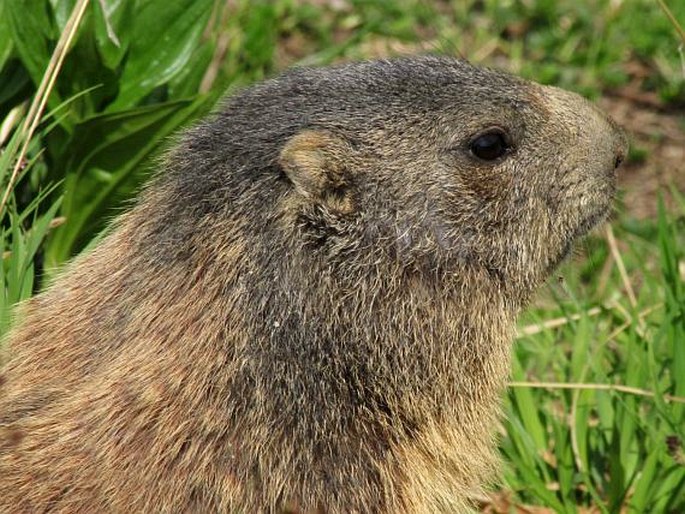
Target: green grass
pixel 569 446
pixel 133 77
pixel 23 229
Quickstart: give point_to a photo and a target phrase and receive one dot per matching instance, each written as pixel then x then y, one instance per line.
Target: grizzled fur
pixel 311 309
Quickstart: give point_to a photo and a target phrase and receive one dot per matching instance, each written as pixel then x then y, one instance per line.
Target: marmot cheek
pixel 489 183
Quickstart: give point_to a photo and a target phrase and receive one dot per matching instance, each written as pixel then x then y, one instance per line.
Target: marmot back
pixel 311 308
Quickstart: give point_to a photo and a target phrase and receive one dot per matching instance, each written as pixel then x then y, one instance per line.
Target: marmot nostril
pixel 618 160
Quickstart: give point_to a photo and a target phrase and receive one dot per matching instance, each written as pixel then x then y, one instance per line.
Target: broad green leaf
pixel 83 69
pixel 32 35
pixel 187 82
pixel 5 36
pixel 584 404
pixel 112 30
pixel 35 237
pixel 61 10
pixel 643 491
pixel 15 86
pixel 525 462
pixel 564 467
pixel 617 484
pixel 528 409
pixel 105 167
pixel 18 264
pixel 164 35
pixel 671 490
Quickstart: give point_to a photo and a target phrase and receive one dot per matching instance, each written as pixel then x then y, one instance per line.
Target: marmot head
pixel 433 163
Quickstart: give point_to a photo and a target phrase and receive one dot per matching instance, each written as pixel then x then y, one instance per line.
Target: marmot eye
pixel 489 145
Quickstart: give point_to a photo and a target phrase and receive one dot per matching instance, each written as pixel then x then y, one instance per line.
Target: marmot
pixel 311 308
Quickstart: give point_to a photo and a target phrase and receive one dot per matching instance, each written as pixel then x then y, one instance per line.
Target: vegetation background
pixel 596 412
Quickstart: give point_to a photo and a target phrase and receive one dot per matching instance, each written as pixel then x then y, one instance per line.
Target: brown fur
pixel 312 308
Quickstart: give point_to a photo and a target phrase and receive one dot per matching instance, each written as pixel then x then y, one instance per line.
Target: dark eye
pixel 490 145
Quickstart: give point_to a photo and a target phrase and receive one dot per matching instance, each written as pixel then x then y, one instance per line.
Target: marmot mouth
pixel 586 224
pixel 591 221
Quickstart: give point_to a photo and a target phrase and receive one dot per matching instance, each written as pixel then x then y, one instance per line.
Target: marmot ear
pixel 316 162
